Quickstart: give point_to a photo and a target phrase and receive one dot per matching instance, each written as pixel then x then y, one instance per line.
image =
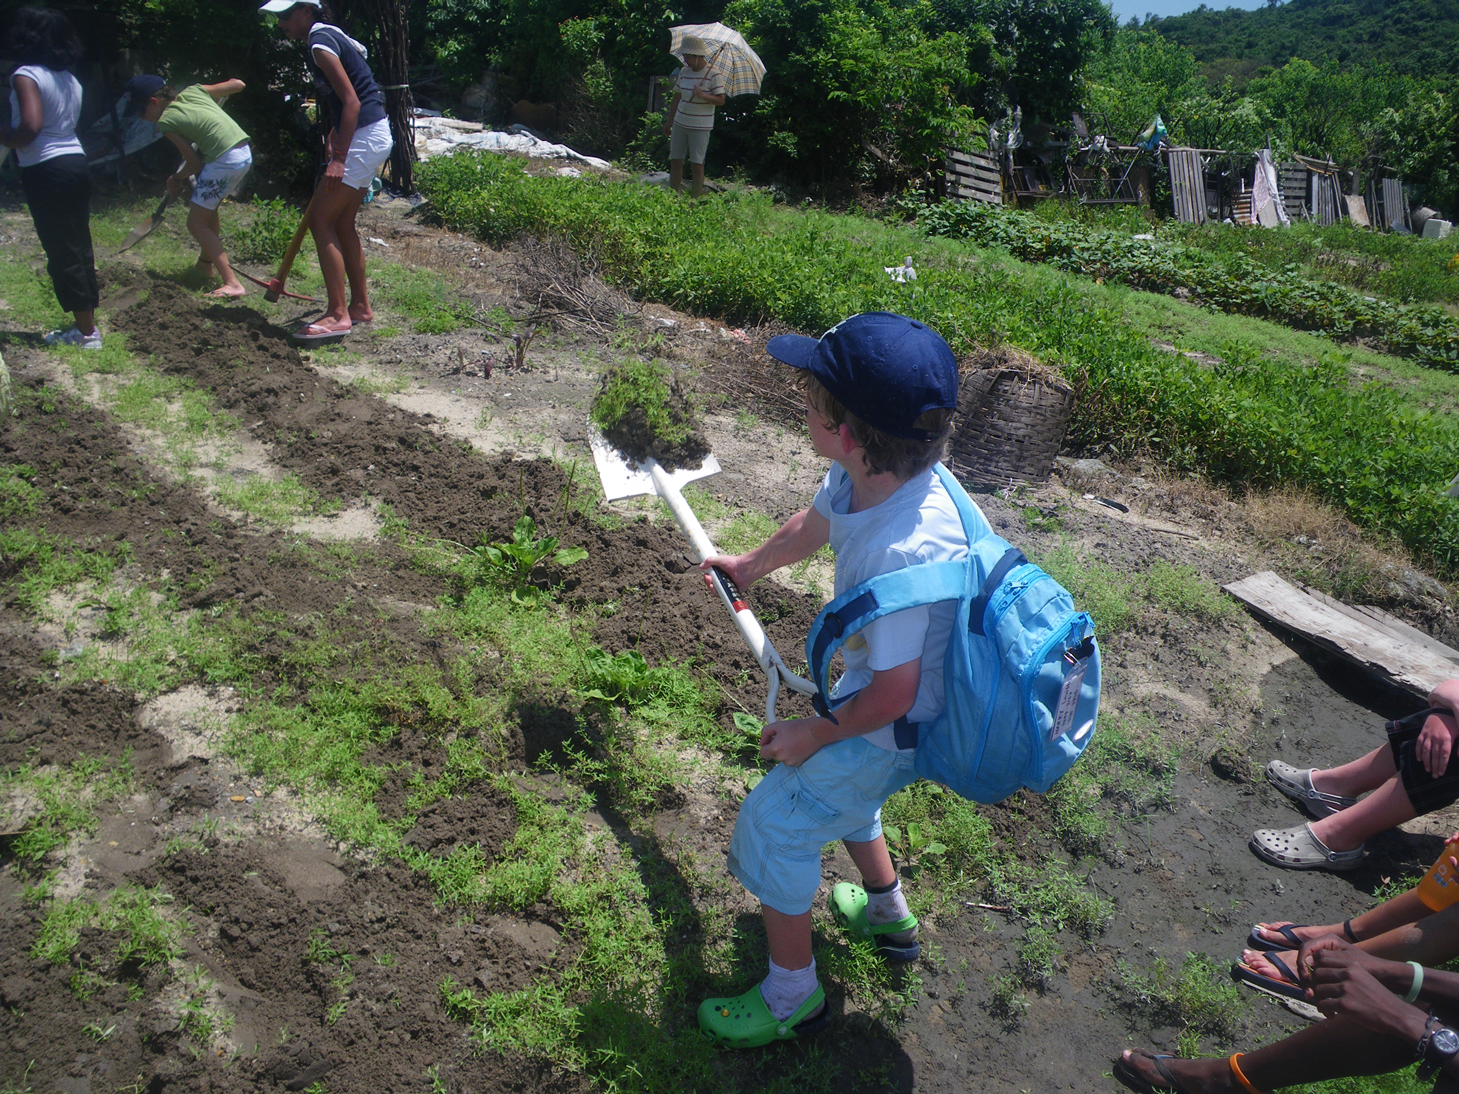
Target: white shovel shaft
pixel 749 627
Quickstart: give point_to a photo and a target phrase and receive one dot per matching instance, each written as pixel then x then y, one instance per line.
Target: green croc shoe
pixel 848 906
pixel 746 1022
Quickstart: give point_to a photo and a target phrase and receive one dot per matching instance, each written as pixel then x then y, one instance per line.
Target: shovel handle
pixel 749 626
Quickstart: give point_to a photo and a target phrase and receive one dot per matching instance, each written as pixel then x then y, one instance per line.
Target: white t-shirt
pixel 686 82
pixel 919 523
pixel 60 107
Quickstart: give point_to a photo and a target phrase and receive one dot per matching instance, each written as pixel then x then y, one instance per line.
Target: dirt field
pixel 266 897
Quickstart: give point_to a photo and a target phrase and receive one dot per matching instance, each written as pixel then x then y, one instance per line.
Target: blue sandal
pixel 746 1022
pixel 848 907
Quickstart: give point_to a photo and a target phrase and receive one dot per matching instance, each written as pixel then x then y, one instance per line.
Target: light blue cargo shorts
pixel 837 794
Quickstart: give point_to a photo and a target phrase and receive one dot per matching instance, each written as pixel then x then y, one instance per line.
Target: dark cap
pixel 886 369
pixel 138 90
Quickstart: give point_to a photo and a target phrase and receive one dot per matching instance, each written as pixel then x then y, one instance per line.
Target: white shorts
pixel 369 149
pixel 222 176
pixel 683 140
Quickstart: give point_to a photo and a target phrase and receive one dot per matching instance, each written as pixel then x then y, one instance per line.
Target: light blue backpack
pixel 1022 670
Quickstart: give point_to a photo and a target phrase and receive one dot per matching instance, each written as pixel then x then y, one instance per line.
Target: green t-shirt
pixel 196 116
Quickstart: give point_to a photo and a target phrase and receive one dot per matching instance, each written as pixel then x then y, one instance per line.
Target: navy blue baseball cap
pixel 886 369
pixel 138 90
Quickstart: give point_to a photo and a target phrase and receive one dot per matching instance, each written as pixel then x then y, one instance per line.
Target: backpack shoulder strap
pixel 908 587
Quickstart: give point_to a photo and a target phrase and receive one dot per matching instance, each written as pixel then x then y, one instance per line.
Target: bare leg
pixel 354 264
pixel 1385 808
pixel 1359 776
pixel 1398 912
pixel 1328 1050
pixel 676 174
pixel 873 861
pixel 205 228
pixel 324 220
pixel 696 170
pixel 85 321
pixel 789 937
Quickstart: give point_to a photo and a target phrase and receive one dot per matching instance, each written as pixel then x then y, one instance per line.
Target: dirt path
pixel 270 900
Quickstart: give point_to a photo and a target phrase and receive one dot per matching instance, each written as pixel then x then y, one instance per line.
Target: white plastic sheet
pixel 434 136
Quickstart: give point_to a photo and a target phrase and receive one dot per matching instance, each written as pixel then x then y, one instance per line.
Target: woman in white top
pixel 45 101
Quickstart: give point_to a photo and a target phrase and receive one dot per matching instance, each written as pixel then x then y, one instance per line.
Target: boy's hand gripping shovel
pixel 622 481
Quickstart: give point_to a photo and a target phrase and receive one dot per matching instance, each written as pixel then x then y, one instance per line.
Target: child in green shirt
pixel 214 149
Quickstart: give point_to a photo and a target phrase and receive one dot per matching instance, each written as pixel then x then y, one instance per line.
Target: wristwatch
pixel 1436 1047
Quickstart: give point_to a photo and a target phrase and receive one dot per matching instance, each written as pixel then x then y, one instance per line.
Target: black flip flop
pixel 1282 989
pixel 1289 932
pixel 1132 1079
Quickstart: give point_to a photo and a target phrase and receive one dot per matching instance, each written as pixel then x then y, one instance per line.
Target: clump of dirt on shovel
pixel 643 411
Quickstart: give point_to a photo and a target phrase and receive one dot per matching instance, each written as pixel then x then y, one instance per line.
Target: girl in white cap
pixel 359 144
pixel 45 101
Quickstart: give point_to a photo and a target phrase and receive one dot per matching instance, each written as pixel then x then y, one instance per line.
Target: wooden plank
pixel 979 176
pixel 1188 185
pixel 1368 640
pixel 993 197
pixel 1358 210
pixel 973 159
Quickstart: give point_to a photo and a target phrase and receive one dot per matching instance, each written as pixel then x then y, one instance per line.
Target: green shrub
pixel 266 236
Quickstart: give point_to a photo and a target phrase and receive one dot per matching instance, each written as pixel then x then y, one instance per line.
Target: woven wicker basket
pixel 1013 412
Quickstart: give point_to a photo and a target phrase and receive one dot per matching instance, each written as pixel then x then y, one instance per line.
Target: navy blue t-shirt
pixel 336 41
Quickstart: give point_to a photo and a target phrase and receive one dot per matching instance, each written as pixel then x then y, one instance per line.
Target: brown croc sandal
pixel 1298 849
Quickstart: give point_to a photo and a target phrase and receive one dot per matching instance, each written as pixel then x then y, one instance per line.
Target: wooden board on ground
pixel 1370 638
pixel 1358 210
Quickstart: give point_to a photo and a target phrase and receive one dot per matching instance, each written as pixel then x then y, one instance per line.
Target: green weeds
pixel 275 502
pixel 1201 999
pixel 64 800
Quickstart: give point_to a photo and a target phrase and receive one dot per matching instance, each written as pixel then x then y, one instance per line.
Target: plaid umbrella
pixel 729 55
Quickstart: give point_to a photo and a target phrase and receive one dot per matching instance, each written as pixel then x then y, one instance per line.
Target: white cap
pixel 278 7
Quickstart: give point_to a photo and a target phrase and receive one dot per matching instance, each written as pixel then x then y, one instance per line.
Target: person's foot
pixel 1264 963
pixel 1287 934
pixel 203 267
pixel 1141 1070
pixel 227 292
pixel 361 313
pixel 74 337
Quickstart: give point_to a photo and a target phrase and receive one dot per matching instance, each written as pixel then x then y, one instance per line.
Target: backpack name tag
pixel 1069 693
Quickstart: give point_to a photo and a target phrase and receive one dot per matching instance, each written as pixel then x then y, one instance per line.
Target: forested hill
pixel 1413 37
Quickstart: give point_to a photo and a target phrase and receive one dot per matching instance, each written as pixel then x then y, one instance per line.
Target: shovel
pixel 620 480
pixel 143 230
pixel 275 285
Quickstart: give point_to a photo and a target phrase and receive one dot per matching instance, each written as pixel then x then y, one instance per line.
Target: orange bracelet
pixel 1240 1078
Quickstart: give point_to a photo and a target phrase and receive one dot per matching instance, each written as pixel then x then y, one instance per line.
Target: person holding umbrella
pixel 698 89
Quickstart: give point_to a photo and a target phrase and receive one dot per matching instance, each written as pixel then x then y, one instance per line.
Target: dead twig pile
pixel 566 287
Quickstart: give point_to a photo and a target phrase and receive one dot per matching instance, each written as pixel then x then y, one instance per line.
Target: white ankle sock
pixel 784 990
pixel 886 907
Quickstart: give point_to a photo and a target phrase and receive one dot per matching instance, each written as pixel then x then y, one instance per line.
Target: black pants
pixel 59 193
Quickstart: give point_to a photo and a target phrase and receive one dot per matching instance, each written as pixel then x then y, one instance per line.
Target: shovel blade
pixel 139 233
pixel 620 480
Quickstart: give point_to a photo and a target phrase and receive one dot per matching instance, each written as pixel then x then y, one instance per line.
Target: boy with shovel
pixel 214 148
pixel 880 394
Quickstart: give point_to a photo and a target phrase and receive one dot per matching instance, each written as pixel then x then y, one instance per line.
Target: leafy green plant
pixel 266 235
pixel 913 845
pixel 621 677
pixel 517 558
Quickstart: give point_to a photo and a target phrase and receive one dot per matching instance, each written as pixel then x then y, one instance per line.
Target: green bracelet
pixel 1418 982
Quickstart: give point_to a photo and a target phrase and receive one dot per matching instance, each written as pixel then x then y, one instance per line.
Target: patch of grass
pixel 276 502
pixel 376 384
pixel 418 294
pixel 1126 769
pixel 66 797
pixel 1201 999
pixel 1181 588
pixel 746 532
pixel 1109 596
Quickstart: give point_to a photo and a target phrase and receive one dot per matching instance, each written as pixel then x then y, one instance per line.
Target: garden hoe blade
pixel 622 480
pixel 143 230
pixel 275 289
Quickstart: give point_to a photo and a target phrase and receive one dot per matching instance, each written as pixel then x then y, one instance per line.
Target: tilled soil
pixel 264 889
